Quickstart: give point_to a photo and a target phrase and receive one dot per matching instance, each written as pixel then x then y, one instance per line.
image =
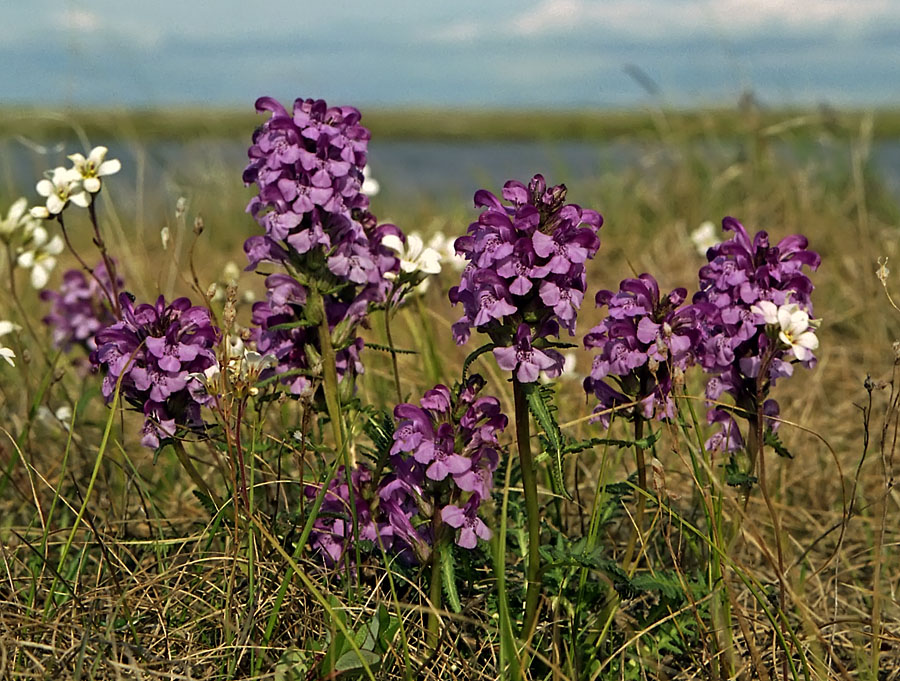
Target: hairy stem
pixel 529 487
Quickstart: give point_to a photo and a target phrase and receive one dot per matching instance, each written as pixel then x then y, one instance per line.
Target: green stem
pixel 193 473
pixel 434 594
pixel 330 380
pixel 529 487
pixel 642 488
pixel 333 405
pixel 390 342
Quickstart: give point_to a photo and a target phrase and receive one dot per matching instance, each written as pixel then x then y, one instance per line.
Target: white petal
pixel 92 184
pixel 767 310
pixel 56 245
pixel 807 340
pixel 393 242
pixel 77 159
pixel 17 210
pixel 430 262
pixel 40 212
pixel 110 167
pixel 40 273
pixel 414 246
pixel 82 198
pixel 45 188
pixel 55 205
pixel 8 327
pixel 8 355
pixel 26 259
pixel 97 155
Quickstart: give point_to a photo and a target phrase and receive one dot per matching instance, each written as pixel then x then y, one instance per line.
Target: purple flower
pixel 445 451
pixel 80 308
pixel 526 360
pixel 526 264
pixel 466 520
pixel 153 349
pixel 280 330
pixel 643 339
pixel 736 348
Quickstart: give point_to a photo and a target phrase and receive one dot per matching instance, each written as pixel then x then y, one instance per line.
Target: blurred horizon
pixel 508 54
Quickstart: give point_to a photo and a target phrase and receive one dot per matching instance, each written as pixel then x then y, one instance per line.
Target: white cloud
pixel 78 20
pixel 664 17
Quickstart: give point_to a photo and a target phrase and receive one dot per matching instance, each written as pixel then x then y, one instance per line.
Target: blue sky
pixel 526 53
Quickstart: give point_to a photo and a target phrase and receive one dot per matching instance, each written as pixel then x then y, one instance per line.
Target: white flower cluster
pixel 76 184
pixel 419 260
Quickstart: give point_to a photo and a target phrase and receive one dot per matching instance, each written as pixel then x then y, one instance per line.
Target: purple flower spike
pixel 526 264
pixel 154 349
pixel 641 342
pixel 80 308
pixel 743 274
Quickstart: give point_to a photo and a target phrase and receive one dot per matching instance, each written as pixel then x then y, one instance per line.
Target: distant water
pixel 443 173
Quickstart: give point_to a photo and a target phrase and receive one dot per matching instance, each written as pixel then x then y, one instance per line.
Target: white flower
pixel 39 255
pixel 568 370
pixel 415 256
pixel 92 168
pixel 5 352
pixel 797 332
pixel 370 186
pixel 18 219
pixel 767 310
pixel 445 247
pixel 62 185
pixel 704 237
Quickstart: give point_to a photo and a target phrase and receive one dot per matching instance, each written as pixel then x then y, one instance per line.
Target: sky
pixel 465 53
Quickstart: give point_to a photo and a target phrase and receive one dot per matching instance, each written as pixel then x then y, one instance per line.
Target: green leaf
pixel 388 348
pixel 448 569
pixel 540 404
pixel 350 660
pixel 666 584
pixel 287 326
pixel 735 477
pixel 772 439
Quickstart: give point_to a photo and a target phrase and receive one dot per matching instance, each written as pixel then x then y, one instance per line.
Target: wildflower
pixel 452 440
pixel 294 345
pixel 797 331
pixel 80 308
pixel 528 361
pixel 756 292
pixel 414 255
pixel 95 166
pixel 18 222
pixel 470 526
pixel 643 340
pixel 5 352
pixel 38 254
pixel 525 264
pixel 370 186
pixel 154 349
pixel 447 251
pixel 704 237
pixel 61 186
